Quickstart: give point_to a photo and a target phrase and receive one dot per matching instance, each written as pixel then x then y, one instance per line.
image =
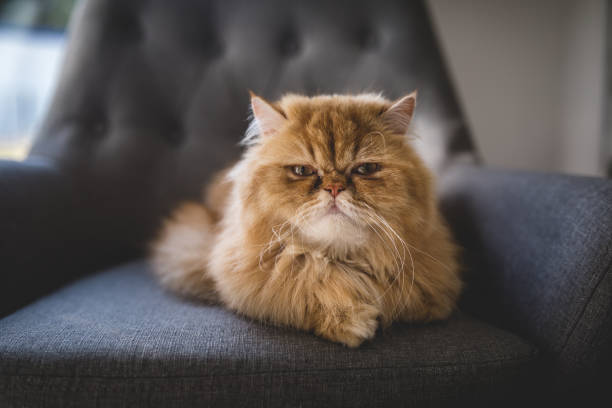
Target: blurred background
pixel 532 77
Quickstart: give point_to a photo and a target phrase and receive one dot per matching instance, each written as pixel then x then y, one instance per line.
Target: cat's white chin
pixel 334 228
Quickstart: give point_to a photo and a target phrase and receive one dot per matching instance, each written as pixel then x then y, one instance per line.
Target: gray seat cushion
pixel 117 339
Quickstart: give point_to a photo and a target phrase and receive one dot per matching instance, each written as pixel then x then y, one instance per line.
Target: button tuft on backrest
pixel 366 37
pixel 175 134
pixel 213 48
pixel 289 44
pixel 122 25
pixel 99 128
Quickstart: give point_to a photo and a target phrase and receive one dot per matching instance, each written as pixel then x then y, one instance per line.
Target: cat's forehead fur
pixel 346 108
pixel 329 129
pixel 295 100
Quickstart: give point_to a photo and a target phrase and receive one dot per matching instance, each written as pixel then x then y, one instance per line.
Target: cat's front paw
pixel 349 326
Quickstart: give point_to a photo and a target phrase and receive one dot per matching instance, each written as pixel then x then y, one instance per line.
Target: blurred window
pixel 32 40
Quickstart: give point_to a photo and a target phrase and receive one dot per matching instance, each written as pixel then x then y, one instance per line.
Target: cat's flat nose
pixel 334 188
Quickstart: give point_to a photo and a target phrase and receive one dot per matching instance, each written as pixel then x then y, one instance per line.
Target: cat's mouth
pixel 335 210
pixel 334 224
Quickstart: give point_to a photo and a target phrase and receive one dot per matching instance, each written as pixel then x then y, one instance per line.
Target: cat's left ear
pixel 399 115
pixel 269 120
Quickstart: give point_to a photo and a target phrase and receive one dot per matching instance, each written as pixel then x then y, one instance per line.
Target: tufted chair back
pixel 153 95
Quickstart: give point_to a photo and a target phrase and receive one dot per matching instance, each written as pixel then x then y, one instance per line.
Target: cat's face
pixel 336 171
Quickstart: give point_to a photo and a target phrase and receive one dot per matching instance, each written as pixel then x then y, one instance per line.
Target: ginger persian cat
pixel 328 223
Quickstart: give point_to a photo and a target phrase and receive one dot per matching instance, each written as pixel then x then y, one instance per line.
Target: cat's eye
pixel 302 171
pixel 365 169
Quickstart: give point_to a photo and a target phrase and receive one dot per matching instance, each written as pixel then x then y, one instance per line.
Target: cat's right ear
pixel 399 116
pixel 266 117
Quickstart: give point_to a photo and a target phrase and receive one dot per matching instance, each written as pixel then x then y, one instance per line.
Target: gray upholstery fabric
pixel 539 251
pixel 116 339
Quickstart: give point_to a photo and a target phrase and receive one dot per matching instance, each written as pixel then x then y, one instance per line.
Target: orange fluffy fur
pixel 292 249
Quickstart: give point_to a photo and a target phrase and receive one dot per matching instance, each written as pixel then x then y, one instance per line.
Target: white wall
pixel 582 100
pixel 529 74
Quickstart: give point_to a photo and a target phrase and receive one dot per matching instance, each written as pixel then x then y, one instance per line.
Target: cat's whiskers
pixel 277 238
pixel 371 218
pixel 372 223
pixel 398 275
pixel 382 220
pixel 279 235
pixel 433 258
pixel 404 244
pixel 369 212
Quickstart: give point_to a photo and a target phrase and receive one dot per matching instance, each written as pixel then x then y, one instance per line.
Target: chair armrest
pixel 47 237
pixel 34 205
pixel 538 255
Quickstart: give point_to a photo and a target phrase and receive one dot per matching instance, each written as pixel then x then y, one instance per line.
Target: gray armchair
pixel 152 100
